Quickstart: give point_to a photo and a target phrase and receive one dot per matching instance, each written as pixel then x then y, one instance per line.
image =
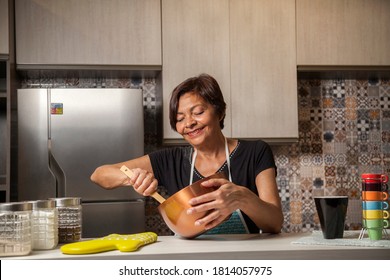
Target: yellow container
pixel 375 214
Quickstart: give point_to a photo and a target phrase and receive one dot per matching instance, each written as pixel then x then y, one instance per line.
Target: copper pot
pixel 174 209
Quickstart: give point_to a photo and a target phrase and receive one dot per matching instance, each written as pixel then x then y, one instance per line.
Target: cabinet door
pixel 195 39
pixel 343 32
pixel 4 46
pixel 263 69
pixel 88 32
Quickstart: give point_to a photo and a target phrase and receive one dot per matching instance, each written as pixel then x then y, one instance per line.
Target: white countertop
pixel 246 246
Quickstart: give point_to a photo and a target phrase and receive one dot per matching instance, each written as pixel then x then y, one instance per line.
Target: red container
pixel 374 178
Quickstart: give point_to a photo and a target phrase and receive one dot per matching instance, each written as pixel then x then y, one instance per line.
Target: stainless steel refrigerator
pixel 64 134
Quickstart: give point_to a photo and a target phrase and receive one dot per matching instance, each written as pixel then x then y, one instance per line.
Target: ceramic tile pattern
pixel 344 130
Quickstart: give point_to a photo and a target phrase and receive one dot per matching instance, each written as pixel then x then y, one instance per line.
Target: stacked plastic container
pixel 375 205
pixel 44 224
pixel 69 219
pixel 39 225
pixel 15 229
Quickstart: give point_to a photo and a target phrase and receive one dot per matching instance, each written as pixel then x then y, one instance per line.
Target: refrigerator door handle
pixel 57 172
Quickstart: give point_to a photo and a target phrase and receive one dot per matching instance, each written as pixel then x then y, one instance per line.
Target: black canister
pixel 69 219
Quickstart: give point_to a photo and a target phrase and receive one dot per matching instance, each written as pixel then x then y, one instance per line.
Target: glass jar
pixel 15 229
pixel 69 219
pixel 44 224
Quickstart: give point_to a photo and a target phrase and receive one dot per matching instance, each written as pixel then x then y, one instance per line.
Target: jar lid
pixel 41 204
pixel 16 206
pixel 67 201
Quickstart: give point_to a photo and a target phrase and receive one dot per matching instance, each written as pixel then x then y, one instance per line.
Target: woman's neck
pixel 212 149
pixel 210 158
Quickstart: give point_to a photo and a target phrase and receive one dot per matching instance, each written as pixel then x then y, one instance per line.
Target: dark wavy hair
pixel 206 87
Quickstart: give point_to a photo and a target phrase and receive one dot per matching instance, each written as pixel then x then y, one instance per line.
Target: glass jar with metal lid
pixel 69 219
pixel 15 229
pixel 44 224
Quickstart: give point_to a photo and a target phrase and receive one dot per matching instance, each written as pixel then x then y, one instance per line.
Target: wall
pixel 344 130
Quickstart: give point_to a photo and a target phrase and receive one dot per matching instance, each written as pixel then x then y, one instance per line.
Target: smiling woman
pixel 207 88
pixel 247 202
pixel 197 120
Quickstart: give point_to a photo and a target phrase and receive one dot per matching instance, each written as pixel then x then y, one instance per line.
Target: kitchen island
pixel 227 247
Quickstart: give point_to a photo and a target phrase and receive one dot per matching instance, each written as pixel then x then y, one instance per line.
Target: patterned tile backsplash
pixel 344 130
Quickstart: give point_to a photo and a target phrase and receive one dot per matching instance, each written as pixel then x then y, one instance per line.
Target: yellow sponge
pixel 121 242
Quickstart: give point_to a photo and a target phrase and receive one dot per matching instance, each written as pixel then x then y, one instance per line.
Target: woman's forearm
pixel 109 177
pixel 267 216
pixel 264 209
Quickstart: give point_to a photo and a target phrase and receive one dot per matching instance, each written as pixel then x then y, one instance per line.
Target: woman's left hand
pixel 222 202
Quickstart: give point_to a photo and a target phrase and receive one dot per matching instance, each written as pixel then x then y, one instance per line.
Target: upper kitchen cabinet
pixel 343 32
pixel 263 69
pixel 88 32
pixel 249 47
pixel 195 40
pixel 4 28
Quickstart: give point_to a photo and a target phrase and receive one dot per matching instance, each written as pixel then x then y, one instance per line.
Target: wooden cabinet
pixel 4 28
pixel 195 39
pixel 343 32
pixel 263 69
pixel 249 47
pixel 88 32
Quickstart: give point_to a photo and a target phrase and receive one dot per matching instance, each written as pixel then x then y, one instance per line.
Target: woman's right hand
pixel 111 177
pixel 143 181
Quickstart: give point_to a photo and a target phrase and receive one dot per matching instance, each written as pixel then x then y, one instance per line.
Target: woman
pixel 197 112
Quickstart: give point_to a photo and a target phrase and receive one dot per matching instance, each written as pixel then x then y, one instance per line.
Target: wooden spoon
pixel 130 174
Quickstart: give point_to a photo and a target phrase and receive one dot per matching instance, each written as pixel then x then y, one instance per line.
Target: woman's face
pixel 196 119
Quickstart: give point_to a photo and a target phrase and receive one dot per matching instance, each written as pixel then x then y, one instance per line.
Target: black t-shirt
pixel 172 167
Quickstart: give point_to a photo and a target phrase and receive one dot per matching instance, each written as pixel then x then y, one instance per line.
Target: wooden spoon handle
pixel 157 197
pixel 129 174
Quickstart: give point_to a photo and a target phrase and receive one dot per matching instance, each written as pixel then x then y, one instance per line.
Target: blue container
pixel 375 205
